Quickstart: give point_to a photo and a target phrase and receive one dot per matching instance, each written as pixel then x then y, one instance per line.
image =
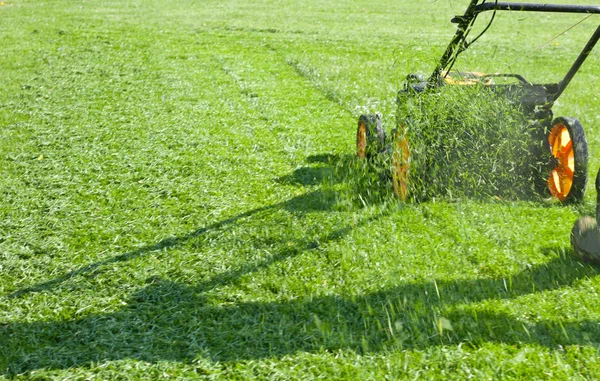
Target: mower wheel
pixel 400 163
pixel 568 146
pixel 370 138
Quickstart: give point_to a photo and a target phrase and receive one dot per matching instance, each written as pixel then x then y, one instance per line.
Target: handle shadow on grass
pixel 170 321
pixel 360 177
pixel 313 201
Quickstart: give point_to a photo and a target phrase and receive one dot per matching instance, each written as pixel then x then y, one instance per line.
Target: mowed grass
pixel 172 204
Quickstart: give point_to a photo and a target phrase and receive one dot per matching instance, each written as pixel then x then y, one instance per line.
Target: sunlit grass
pixel 181 197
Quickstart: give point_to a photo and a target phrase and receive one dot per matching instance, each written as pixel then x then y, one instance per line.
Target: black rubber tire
pixel 580 159
pixel 370 137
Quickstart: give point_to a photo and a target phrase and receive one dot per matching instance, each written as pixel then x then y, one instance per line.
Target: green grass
pixel 175 201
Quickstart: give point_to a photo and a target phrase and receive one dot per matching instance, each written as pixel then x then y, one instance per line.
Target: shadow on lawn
pixel 318 200
pixel 171 321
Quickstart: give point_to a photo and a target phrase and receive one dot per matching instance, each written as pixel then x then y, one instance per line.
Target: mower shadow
pixel 174 322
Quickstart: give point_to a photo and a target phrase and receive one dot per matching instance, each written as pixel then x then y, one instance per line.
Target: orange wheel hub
pixel 361 140
pixel 561 177
pixel 400 164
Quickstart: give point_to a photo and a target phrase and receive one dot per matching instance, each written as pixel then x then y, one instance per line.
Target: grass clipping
pixel 468 141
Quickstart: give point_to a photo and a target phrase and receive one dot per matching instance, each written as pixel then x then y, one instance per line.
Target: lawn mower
pixel 563 138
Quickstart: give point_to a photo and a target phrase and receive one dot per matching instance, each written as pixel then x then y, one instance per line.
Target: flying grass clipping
pixel 465 141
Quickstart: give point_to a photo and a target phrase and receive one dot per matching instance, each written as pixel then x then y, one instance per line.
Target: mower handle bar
pixel 465 22
pixel 527 7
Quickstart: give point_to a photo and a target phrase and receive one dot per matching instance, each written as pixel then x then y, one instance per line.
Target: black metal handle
pixel 465 22
pixel 527 7
pixel 577 64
